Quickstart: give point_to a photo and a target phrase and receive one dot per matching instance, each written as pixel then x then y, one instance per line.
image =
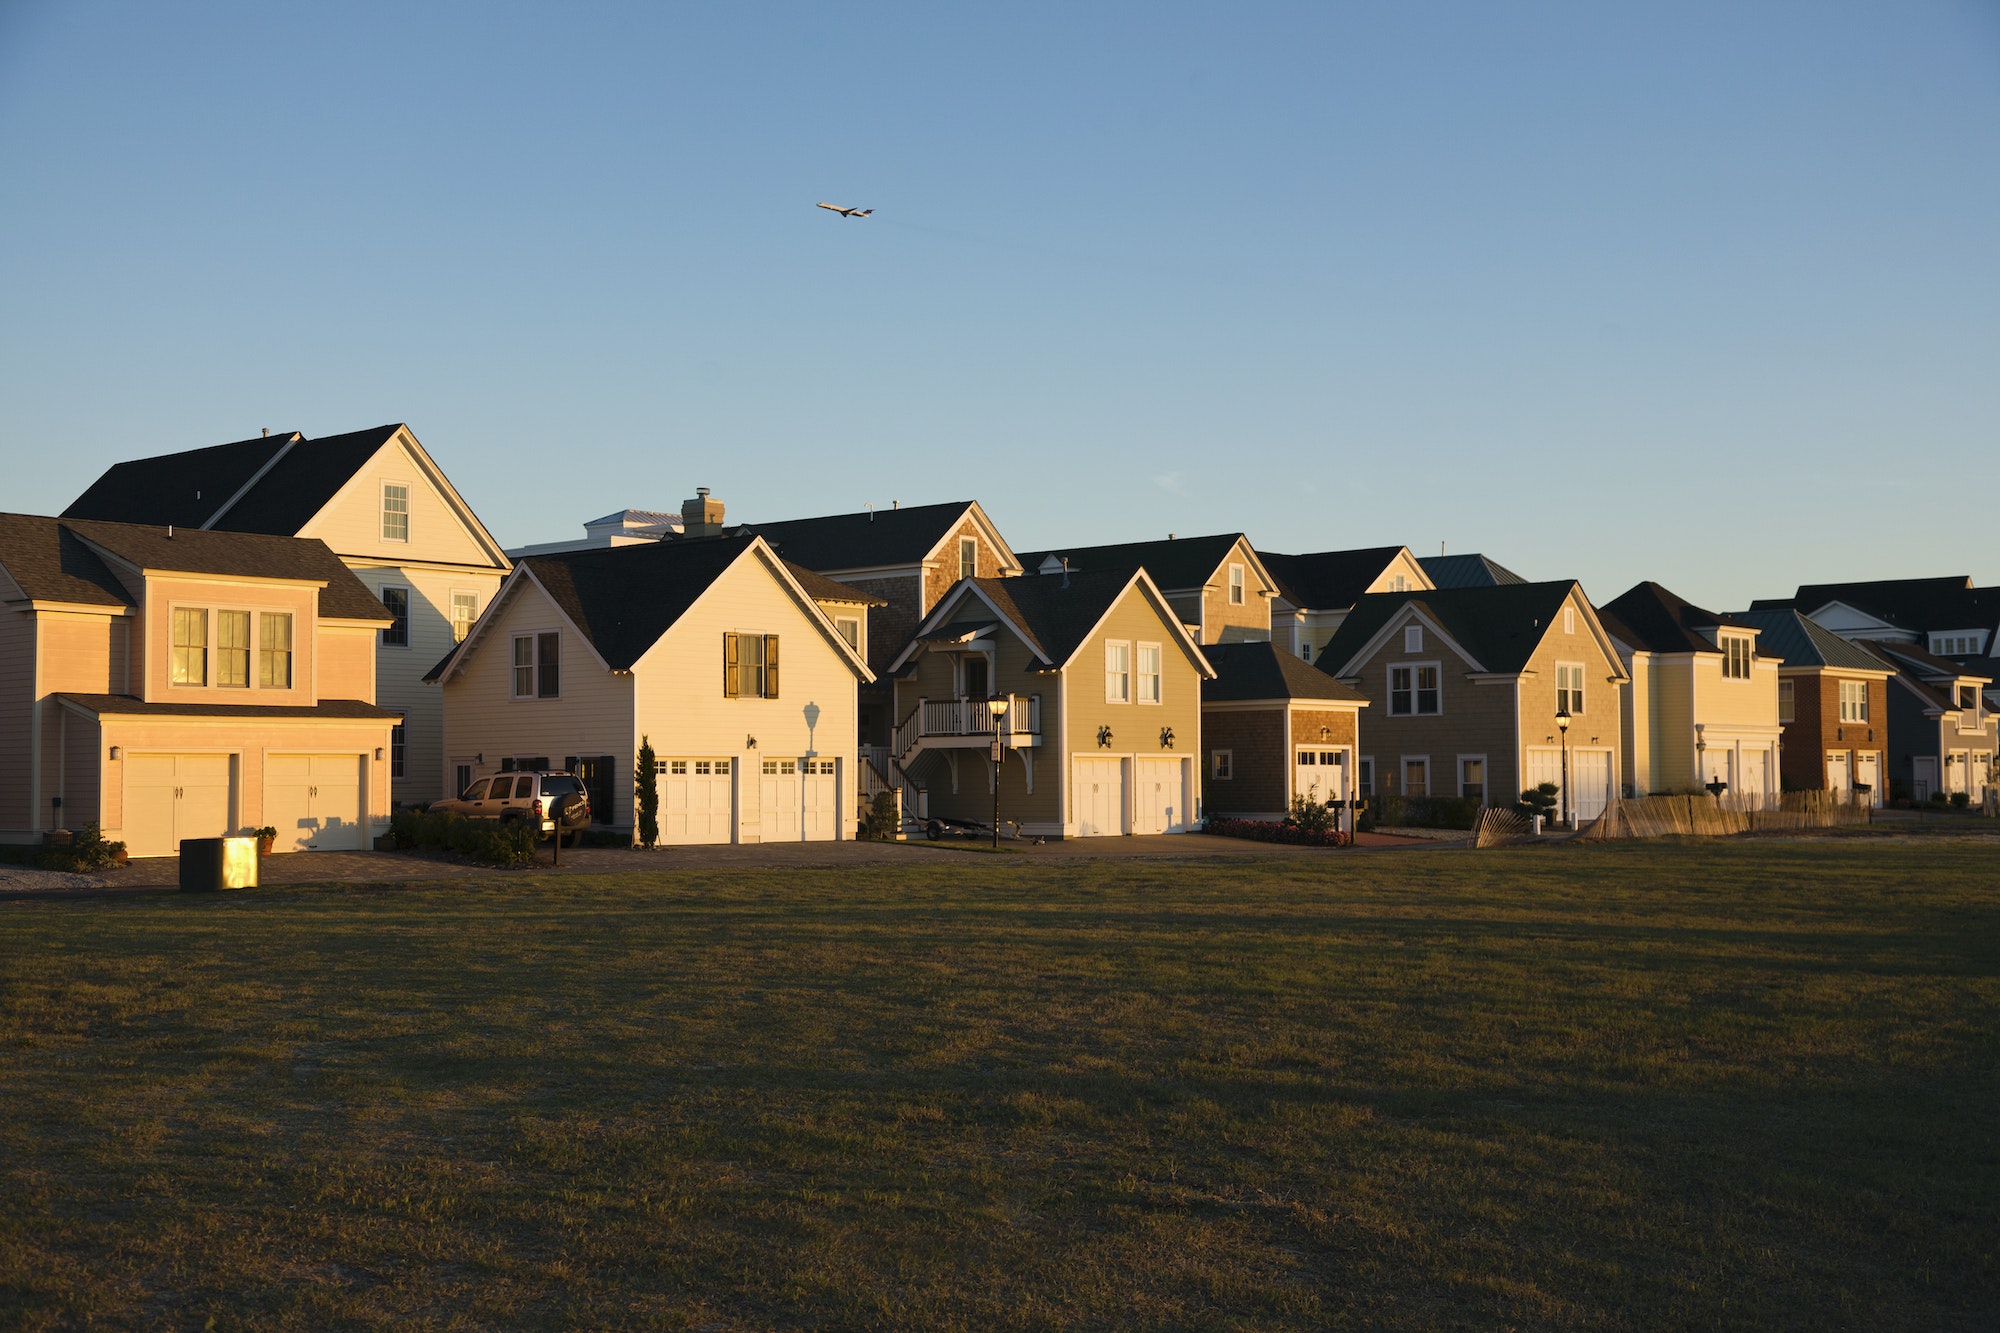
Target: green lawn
pixel 1741 1085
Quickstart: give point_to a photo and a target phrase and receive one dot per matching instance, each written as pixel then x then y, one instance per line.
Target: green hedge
pixel 1391 810
pixel 481 839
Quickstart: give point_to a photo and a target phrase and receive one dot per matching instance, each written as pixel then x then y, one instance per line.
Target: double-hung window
pixel 1413 690
pixel 1236 585
pixel 1472 777
pixel 1569 688
pixel 395 511
pixel 1736 657
pixel 464 610
pixel 750 666
pixel 1149 673
pixel 396 735
pixel 1118 673
pixel 1853 701
pixel 274 651
pixel 398 602
pixel 538 665
pixel 1784 701
pixel 1222 764
pixel 190 655
pixel 232 649
pixel 968 557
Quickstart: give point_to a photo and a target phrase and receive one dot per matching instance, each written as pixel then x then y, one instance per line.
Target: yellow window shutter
pixel 729 666
pixel 770 666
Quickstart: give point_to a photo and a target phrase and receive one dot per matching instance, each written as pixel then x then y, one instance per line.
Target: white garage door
pixel 1544 766
pixel 1097 796
pixel 697 801
pixel 778 801
pixel 1750 781
pixel 1591 770
pixel 173 796
pixel 1868 772
pixel 1838 780
pixel 314 801
pixel 1157 804
pixel 819 800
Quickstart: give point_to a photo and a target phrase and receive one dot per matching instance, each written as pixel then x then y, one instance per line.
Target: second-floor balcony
pixel 969 722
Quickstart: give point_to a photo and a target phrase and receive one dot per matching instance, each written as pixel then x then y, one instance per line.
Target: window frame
pixel 399 744
pixel 382 638
pixel 383 511
pixel 1238 591
pixel 1485 776
pixel 1140 675
pixel 968 557
pixel 1413 638
pixel 852 640
pixel 266 655
pixel 456 594
pixel 1403 773
pixel 1737 657
pixel 533 666
pixel 1572 699
pixel 222 615
pixel 1222 765
pixel 1123 675
pixel 737 671
pixel 1787 702
pixel 1415 690
pixel 1858 691
pixel 1364 775
pixel 176 672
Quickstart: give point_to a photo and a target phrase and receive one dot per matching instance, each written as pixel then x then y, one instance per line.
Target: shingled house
pixel 1217 585
pixel 1317 590
pixel 1274 727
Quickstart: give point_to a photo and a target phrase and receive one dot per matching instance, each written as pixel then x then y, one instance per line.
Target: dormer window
pixel 1968 698
pixel 1236 585
pixel 1957 644
pixel 968 557
pixel 1735 657
pixel 395 511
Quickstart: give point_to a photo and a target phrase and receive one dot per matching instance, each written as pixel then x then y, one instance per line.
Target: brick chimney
pixel 701 516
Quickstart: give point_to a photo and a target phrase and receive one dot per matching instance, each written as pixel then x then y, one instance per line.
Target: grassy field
pixel 1743 1085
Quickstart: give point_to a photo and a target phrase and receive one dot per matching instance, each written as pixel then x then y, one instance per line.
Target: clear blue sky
pixel 1705 293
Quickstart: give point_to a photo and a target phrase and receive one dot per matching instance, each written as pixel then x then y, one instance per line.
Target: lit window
pixel 750 666
pixel 1222 764
pixel 1853 701
pixel 1117 673
pixel 395 512
pixel 850 630
pixel 1736 658
pixel 1149 673
pixel 398 602
pixel 464 610
pixel 274 652
pixel 232 649
pixel 190 660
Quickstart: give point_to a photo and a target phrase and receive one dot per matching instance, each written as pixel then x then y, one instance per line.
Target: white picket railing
pixel 971 717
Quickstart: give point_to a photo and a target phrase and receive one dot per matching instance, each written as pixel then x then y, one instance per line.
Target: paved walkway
pixel 404 867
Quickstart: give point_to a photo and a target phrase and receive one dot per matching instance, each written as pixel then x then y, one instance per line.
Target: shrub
pixel 88 852
pixel 1310 816
pixel 646 783
pixel 1260 830
pixel 880 821
pixel 1386 808
pixel 1539 800
pixel 481 839
pixel 1441 811
pixel 1959 800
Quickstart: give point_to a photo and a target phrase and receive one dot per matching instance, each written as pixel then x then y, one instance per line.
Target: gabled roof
pixel 1804 643
pixel 1263 671
pixel 1328 580
pixel 1053 614
pixel 1467 571
pixel 823 589
pixel 1498 627
pixel 1920 605
pixel 1175 564
pixel 872 538
pixel 303 482
pixel 1912 660
pixel 622 599
pixel 65 557
pixel 1652 619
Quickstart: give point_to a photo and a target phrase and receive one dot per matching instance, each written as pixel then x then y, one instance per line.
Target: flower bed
pixel 1263 830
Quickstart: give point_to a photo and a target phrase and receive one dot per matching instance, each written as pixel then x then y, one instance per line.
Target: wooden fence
pixel 1691 817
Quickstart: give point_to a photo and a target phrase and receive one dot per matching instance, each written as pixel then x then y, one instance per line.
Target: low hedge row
pixel 1263 830
pixel 481 839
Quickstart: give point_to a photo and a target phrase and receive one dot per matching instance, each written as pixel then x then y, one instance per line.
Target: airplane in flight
pixel 847 212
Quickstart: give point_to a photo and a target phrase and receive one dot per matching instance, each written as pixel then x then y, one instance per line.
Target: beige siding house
pixel 1217 585
pixel 1101 734
pixel 1273 728
pixel 379 500
pixel 712 648
pixel 1702 706
pixel 1465 687
pixel 1317 590
pixel 172 683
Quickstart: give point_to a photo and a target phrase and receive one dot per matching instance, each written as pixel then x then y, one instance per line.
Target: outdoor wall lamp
pixel 117 752
pixel 749 742
pixel 378 754
pixel 1166 738
pixel 1104 738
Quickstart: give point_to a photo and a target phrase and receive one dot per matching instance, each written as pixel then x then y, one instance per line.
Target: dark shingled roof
pixel 1467 571
pixel 823 589
pixel 1174 565
pixel 49 550
pixel 1912 660
pixel 1328 580
pixel 1053 616
pixel 1648 617
pixel 54 565
pixel 125 705
pixel 624 598
pixel 1499 626
pixel 1802 642
pixel 1919 605
pixel 1263 671
pixel 163 489
pixel 863 540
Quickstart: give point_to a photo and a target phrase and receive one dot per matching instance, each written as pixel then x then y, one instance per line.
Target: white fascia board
pixel 1407 614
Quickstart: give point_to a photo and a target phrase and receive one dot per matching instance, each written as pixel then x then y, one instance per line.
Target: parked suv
pixel 535 798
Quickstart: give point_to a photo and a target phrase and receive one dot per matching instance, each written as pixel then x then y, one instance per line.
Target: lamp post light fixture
pixel 997 706
pixel 1562 726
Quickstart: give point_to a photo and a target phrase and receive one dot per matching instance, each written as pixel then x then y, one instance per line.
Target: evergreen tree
pixel 647 782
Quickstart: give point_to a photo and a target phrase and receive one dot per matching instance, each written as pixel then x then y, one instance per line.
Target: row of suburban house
pixel 304 633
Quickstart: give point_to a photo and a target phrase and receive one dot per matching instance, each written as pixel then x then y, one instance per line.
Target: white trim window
pixel 1569 620
pixel 397 600
pixel 1222 764
pixel 190 646
pixel 1472 776
pixel 1364 775
pixel 1785 701
pixel 538 665
pixel 968 557
pixel 1413 638
pixel 1965 644
pixel 1416 775
pixel 1306 651
pixel 1735 657
pixel 1149 673
pixel 395 511
pixel 464 611
pixel 1569 688
pixel 274 650
pixel 1117 672
pixel 1236 585
pixel 1853 701
pixel 1413 690
pixel 232 649
pixel 849 628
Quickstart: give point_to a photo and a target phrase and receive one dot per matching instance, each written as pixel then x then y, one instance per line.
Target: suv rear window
pixel 560 785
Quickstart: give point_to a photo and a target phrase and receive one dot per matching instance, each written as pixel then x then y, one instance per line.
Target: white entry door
pixel 697 801
pixel 1097 795
pixel 314 801
pixel 1319 775
pixel 169 797
pixel 1157 805
pixel 1868 773
pixel 1839 780
pixel 778 801
pixel 1591 772
pixel 819 793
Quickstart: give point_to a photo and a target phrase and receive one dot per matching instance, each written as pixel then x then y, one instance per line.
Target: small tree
pixel 647 783
pixel 1539 800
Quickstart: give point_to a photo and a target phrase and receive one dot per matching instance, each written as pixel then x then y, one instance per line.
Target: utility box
pixel 218 863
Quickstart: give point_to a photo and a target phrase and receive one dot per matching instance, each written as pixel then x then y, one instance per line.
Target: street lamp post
pixel 997 706
pixel 1562 725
